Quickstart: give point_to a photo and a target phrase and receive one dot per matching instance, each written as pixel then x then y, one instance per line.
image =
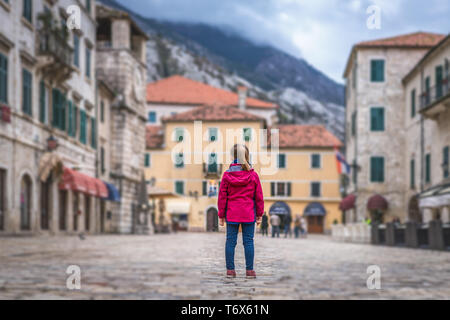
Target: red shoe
pixel 231 274
pixel 250 274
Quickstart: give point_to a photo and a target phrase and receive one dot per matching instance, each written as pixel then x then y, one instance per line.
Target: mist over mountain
pixel 222 58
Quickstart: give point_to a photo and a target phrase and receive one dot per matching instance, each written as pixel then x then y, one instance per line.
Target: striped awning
pixel 77 181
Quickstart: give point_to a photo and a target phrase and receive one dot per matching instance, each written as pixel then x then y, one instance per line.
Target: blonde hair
pixel 241 153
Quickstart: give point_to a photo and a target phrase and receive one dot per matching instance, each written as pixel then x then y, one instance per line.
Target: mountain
pixel 222 58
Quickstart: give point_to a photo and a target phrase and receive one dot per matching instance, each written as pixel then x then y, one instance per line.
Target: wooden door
pixel 212 220
pixel 25 203
pixel 315 224
pixel 62 210
pixel 45 204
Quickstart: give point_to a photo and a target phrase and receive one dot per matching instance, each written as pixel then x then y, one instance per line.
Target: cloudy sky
pixel 321 31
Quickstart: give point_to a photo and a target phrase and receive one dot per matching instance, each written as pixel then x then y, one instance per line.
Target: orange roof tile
pixel 181 90
pixel 300 136
pixel 213 113
pixel 154 137
pixel 416 39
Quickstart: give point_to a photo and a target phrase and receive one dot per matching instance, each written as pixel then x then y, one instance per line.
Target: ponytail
pixel 241 154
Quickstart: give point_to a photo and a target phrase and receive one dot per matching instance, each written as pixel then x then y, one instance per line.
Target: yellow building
pixel 190 150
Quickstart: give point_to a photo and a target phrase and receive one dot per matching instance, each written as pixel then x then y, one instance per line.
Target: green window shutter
pixel 354 123
pixel 76 50
pixel 93 133
pixel 179 187
pixel 70 118
pixel 55 107
pixel 179 160
pixel 377 169
pixel 272 189
pixel 377 70
pixel 42 102
pixel 289 189
pixel 315 161
pixel 377 119
pixel 445 162
pixel 281 161
pixel 212 134
pixel 27 10
pixel 88 62
pixel 102 159
pixel 204 188
pixel 247 134
pixel 438 79
pixel 147 160
pixel 102 111
pixel 82 126
pixel 75 121
pixel 428 168
pixel 179 134
pixel 413 174
pixel 63 107
pixel 3 78
pixel 26 92
pixel 413 103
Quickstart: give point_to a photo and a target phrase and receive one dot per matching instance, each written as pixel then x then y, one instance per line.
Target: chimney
pixel 242 97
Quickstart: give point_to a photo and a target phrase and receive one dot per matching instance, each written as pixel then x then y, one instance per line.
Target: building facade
pixel 375 124
pixel 304 180
pixel 427 124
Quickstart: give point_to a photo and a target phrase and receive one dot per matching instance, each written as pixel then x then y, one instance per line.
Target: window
pixel 427 90
pixel 76 50
pixel 179 160
pixel 280 189
pixel 88 6
pixel 152 117
pixel 377 119
pixel 70 118
pixel 213 134
pixel 179 134
pixel 59 110
pixel 412 174
pixel 147 160
pixel 439 78
pixel 212 162
pixel 75 121
pixel 42 102
pixel 2 198
pixel 377 169
pixel 428 168
pixel 102 159
pixel 354 123
pixel 315 161
pixel 3 78
pixel 25 203
pixel 413 103
pixel 27 92
pixel 102 111
pixel 281 161
pixel 377 70
pixel 83 126
pixel 93 133
pixel 247 134
pixel 315 189
pixel 88 63
pixel 179 187
pixel 204 188
pixel 445 162
pixel 28 10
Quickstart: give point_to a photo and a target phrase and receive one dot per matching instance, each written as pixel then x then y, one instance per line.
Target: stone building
pixel 376 136
pixel 427 128
pixel 121 63
pixel 48 119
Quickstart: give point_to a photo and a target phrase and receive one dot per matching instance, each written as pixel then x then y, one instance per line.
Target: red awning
pixel 377 202
pixel 77 181
pixel 348 202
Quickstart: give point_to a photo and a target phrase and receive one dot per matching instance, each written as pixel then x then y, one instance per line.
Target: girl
pixel 240 202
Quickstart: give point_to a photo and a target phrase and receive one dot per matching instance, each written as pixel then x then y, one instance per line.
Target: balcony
pixel 212 170
pixel 435 100
pixel 55 56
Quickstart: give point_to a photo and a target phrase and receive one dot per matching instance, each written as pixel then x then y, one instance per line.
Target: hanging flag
pixel 341 163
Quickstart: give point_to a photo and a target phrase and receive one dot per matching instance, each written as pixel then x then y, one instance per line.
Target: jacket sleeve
pixel 223 196
pixel 259 198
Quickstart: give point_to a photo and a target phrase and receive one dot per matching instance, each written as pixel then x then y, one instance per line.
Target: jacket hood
pixel 239 177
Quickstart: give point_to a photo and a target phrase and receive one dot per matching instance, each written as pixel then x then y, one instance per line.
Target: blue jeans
pixel 275 230
pixel 248 230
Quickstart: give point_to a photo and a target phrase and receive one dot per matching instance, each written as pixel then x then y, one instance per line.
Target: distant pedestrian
pixel 275 222
pixel 241 204
pixel 287 226
pixel 265 225
pixel 304 227
pixel 297 226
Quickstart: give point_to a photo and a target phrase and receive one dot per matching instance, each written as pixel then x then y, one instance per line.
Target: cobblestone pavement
pixel 191 266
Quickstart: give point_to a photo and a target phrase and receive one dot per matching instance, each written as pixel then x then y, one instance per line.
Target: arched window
pixel 25 203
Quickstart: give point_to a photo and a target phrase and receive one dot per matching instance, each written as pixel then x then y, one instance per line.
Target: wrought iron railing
pixel 434 93
pixel 54 44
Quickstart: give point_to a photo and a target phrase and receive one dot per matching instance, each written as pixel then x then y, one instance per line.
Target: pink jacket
pixel 240 195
